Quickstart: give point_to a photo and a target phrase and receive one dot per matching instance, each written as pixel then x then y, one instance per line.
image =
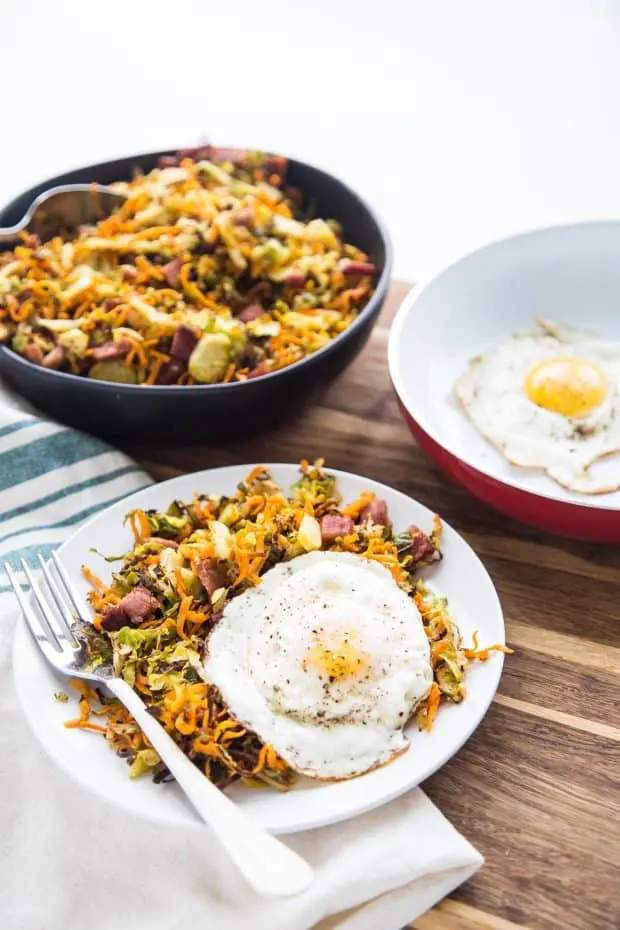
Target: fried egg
pixel 549 399
pixel 325 660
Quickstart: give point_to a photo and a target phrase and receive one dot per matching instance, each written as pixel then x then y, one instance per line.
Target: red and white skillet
pixel 570 274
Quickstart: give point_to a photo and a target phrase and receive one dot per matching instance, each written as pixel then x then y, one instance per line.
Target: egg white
pixel 492 394
pixel 258 657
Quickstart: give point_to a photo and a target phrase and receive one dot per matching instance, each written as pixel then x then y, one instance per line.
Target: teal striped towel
pixel 52 479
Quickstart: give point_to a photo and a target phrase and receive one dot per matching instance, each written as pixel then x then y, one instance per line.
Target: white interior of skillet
pixel 570 274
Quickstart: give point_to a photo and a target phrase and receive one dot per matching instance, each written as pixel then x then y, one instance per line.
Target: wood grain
pixel 575 649
pixel 455 915
pixel 537 788
pixel 561 717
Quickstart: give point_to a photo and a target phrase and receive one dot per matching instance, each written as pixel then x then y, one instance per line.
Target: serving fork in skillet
pixel 270 867
pixel 63 208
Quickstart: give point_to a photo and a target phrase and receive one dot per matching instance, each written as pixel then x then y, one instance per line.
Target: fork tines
pixel 51 624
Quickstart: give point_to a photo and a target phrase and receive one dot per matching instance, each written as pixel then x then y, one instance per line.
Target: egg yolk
pixel 338 659
pixel 569 386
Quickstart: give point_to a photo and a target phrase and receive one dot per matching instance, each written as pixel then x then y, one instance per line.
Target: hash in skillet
pixel 211 271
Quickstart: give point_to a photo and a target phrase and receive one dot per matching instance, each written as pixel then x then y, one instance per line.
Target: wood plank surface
pixel 537 788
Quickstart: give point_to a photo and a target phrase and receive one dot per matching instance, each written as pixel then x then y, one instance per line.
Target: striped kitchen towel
pixel 52 479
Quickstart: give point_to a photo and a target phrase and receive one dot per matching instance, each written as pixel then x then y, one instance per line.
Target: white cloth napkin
pixel 69 861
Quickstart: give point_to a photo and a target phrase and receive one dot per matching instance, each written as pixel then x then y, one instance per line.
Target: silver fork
pixel 66 206
pixel 270 867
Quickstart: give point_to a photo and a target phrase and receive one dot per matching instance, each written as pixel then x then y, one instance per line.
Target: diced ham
pixel 251 313
pixel 183 343
pixel 358 268
pixel 259 370
pixel 208 247
pixel 139 604
pixel 170 372
pixel 211 575
pixel 422 548
pixel 244 217
pixel 164 543
pixel 234 156
pixel 333 526
pixel 130 272
pixel 33 353
pixel 54 359
pixel 276 164
pixel 112 349
pixel 199 153
pixel 377 510
pixel 172 271
pixel 295 279
pixel 111 302
pixel 114 619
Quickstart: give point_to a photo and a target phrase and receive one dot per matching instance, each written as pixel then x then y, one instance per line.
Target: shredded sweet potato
pixel 218 547
pixel 203 246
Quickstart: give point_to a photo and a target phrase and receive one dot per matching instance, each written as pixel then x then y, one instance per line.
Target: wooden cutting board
pixel 537 788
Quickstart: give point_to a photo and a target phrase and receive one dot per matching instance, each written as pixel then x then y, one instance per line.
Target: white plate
pixel 460 576
pixel 570 274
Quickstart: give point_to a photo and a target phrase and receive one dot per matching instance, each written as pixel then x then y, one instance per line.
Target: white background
pixel 460 120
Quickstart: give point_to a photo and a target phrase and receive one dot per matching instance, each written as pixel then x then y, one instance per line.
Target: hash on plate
pixel 274 634
pixel 211 271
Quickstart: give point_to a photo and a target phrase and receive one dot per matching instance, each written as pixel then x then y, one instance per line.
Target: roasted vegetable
pixel 211 357
pixel 113 370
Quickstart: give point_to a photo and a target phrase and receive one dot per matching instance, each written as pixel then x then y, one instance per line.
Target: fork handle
pixel 10 234
pixel 270 867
